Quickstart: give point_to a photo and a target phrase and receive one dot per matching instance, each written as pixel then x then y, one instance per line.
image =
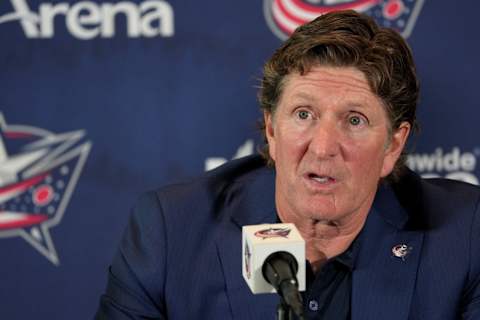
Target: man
pixel 339 100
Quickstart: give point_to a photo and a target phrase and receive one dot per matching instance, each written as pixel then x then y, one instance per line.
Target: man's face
pixel 329 138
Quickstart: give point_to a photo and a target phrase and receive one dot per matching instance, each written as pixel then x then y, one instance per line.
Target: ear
pixel 269 133
pixel 395 147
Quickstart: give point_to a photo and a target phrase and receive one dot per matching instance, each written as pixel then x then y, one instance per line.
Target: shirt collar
pixel 349 256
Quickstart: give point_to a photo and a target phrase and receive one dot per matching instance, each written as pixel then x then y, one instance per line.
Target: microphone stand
pixel 284 312
pixel 279 269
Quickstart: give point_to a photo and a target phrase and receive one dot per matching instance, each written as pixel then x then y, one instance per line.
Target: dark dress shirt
pixel 328 292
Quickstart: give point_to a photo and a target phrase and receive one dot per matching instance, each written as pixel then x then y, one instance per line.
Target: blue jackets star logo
pixel 273 233
pixel 38 173
pixel 284 16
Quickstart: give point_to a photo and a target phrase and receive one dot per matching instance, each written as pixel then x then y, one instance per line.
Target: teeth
pixel 321 179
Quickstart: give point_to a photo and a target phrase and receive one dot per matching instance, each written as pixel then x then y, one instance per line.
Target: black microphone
pixel 280 270
pixel 273 260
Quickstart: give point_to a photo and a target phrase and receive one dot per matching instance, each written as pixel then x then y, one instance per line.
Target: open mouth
pixel 321 179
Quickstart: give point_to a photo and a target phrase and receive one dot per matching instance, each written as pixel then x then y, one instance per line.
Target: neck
pixel 327 239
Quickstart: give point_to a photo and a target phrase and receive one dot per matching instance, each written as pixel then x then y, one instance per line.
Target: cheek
pixel 291 142
pixel 366 159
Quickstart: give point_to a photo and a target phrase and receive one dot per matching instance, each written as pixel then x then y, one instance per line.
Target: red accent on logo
pixel 23 221
pixel 17 135
pixel 289 14
pixel 325 9
pixel 393 9
pixel 21 186
pixel 43 195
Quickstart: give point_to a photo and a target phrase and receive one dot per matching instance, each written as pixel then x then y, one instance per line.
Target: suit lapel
pixel 253 204
pixel 384 278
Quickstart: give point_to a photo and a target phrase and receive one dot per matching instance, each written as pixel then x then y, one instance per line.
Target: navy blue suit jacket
pixel 180 257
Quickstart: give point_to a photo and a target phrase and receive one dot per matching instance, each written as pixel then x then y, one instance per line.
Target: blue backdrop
pixel 102 100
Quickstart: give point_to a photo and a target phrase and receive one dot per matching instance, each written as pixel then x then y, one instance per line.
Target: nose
pixel 325 139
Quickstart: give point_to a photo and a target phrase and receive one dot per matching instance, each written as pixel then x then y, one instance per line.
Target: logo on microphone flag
pixel 284 16
pixel 38 173
pixel 248 261
pixel 273 233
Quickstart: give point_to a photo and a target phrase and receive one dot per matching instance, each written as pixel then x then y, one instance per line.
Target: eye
pixel 356 120
pixel 303 114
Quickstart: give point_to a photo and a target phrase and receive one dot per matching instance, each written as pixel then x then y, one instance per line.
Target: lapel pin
pixel 401 251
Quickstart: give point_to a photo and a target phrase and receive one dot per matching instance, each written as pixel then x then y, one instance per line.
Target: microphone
pixel 274 261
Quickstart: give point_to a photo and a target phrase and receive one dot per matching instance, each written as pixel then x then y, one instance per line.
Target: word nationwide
pixel 87 20
pixel 455 164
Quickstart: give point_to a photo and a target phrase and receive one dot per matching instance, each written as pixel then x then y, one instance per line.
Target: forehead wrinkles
pixel 348 80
